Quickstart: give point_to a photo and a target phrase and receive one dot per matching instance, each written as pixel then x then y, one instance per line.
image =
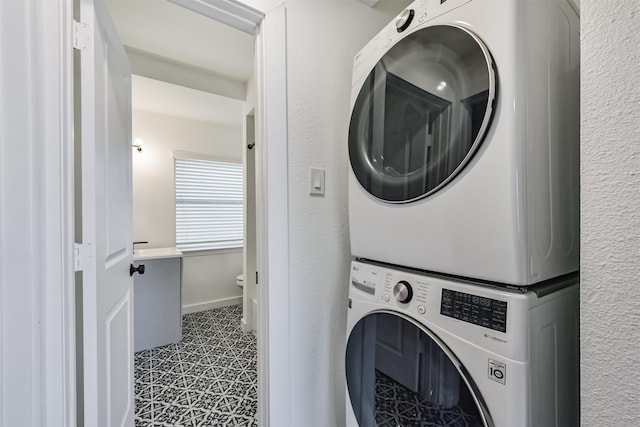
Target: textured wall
pixel 610 305
pixel 208 279
pixel 322 39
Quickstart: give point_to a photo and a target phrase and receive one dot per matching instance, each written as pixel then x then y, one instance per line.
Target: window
pixel 209 212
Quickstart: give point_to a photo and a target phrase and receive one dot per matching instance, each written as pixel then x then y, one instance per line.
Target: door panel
pixel 106 222
pixel 119 353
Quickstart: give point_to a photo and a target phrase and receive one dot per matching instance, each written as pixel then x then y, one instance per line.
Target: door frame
pixel 37 357
pixel 271 200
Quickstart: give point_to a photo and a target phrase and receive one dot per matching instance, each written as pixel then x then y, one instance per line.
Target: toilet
pixel 240 280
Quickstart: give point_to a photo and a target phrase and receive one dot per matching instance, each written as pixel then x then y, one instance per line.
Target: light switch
pixel 316 177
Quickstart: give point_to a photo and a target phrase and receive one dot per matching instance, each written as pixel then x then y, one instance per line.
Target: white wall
pixel 322 39
pixel 208 278
pixel 610 252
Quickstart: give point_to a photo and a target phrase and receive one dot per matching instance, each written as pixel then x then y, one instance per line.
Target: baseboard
pixel 202 306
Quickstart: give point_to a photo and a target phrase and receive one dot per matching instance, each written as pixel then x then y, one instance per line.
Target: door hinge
pixel 256 277
pixel 82 254
pixel 82 35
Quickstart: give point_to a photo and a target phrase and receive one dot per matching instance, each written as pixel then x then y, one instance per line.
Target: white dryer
pixel 464 140
pixel 424 350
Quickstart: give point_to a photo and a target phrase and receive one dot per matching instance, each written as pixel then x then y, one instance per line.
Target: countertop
pixel 156 253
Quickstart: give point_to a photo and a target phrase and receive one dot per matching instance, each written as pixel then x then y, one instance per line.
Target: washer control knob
pixel 403 292
pixel 404 20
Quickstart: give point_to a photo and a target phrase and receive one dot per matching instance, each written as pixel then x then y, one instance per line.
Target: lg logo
pixel 497 371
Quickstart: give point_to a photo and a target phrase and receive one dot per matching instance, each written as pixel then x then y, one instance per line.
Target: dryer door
pixel 422 113
pixel 400 374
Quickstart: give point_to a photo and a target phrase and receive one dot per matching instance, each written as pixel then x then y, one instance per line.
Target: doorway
pixel 250 269
pixel 210 374
pixel 271 108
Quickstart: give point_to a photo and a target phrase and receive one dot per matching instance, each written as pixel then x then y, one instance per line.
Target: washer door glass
pixel 401 374
pixel 421 113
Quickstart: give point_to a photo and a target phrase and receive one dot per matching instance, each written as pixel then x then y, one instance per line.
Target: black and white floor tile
pixel 207 379
pixel 396 406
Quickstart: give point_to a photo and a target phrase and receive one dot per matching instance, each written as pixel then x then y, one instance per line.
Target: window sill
pixel 207 252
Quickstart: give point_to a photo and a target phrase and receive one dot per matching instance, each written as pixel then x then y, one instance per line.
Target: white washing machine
pixel 464 140
pixel 425 350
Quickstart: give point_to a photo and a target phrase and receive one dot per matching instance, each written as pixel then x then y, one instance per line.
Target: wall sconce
pixel 137 143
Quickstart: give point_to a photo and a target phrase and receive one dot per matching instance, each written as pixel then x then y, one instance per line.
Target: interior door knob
pixel 138 269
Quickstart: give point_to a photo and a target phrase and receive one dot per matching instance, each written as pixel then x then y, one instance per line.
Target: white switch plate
pixel 316 181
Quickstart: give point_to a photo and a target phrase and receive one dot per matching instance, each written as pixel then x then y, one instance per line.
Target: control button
pixel 422 17
pixel 386 298
pixel 404 20
pixel 403 292
pixel 422 309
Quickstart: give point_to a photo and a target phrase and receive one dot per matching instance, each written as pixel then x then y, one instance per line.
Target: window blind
pixel 209 212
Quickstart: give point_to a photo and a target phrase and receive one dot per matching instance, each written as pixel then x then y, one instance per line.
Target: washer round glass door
pixel 421 113
pixel 401 374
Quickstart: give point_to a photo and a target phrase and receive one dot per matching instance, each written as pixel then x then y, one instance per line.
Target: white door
pixel 106 221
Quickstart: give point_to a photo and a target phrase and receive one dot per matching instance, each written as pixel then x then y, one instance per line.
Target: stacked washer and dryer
pixel 464 217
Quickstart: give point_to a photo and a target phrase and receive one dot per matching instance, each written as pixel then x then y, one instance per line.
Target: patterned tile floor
pixel 396 406
pixel 207 379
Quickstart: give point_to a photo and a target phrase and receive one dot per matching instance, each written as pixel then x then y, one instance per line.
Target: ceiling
pixel 183 37
pixel 179 101
pixel 192 43
pixel 171 31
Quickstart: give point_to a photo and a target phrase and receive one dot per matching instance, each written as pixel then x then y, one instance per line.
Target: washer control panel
pixel 426 296
pixel 480 311
pixel 492 318
pixel 402 291
pixel 392 288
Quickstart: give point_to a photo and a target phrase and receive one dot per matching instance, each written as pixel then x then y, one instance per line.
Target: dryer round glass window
pixel 421 113
pixel 400 373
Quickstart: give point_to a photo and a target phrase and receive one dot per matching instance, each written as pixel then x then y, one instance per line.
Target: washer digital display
pixel 481 311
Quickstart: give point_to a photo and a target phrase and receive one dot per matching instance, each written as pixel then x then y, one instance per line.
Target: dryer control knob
pixel 403 292
pixel 404 20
